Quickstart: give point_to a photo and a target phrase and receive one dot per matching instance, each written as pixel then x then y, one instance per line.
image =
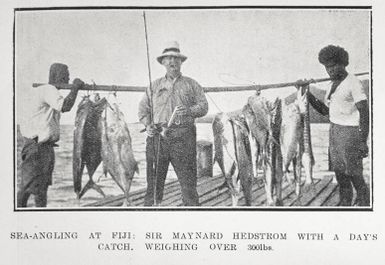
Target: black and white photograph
pixel 196 134
pixel 243 108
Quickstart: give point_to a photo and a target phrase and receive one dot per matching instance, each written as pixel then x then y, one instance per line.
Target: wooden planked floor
pixel 323 192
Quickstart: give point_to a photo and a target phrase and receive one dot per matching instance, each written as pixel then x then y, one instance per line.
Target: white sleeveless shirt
pixel 342 108
pixel 43 116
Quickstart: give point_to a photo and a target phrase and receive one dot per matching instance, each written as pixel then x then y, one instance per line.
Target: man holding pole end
pixel 176 101
pixel 346 104
pixel 41 131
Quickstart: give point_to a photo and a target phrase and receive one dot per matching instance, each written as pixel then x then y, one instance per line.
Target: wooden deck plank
pixel 136 195
pixel 312 191
pixel 211 191
pixel 286 191
pixel 175 199
pixel 322 193
pixel 259 197
pixel 224 198
pixel 333 199
pixel 289 196
pixel 325 195
pixel 258 192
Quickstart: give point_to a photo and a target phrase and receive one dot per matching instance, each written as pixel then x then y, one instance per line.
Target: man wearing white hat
pixel 177 100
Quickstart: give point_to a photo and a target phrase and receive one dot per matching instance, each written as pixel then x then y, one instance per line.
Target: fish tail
pixel 265 160
pixel 272 139
pixel 223 186
pixel 215 160
pixel 228 179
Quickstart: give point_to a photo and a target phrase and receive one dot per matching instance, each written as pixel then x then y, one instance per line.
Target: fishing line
pixel 221 77
pixel 212 100
pixel 249 82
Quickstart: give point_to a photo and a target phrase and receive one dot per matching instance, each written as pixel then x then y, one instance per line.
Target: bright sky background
pixel 260 45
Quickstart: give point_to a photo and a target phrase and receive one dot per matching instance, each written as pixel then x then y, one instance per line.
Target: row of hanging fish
pixel 266 136
pixel 101 135
pixel 233 155
pixel 296 141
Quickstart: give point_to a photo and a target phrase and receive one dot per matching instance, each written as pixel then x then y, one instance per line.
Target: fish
pixel 308 157
pixel 243 156
pixel 296 141
pixel 87 144
pixel 82 112
pixel 263 117
pixel 116 149
pixel 233 155
pixel 292 143
pixel 310 115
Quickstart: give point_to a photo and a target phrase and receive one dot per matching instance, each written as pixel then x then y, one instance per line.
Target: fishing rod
pixel 206 89
pixel 149 72
pixel 156 150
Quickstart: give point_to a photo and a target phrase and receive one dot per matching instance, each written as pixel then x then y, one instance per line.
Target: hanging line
pixel 246 81
pixel 212 100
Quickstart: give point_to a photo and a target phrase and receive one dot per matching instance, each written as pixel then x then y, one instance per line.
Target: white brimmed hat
pixel 171 49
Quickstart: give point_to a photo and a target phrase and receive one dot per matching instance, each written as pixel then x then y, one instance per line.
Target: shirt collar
pixel 341 77
pixel 169 78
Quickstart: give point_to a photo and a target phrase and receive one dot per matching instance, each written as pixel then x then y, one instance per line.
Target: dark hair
pixel 333 54
pixel 56 72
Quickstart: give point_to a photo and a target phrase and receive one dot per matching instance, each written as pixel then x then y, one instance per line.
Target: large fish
pixel 86 144
pixel 264 120
pixel 292 142
pixel 233 155
pixel 296 141
pixel 117 154
pixel 308 157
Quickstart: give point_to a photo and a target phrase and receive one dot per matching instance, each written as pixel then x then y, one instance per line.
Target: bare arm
pixel 363 109
pixel 69 101
pixel 318 105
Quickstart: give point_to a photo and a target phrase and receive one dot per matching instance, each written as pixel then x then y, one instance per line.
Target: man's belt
pixel 160 127
pixel 36 141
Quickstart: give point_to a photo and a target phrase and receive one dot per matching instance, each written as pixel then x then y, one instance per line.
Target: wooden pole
pixel 107 88
pixel 113 88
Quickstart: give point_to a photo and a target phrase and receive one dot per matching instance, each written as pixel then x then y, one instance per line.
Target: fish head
pixel 240 122
pixel 275 108
pixel 84 106
pixel 263 116
pixel 217 124
pixel 291 111
pixel 258 104
pixel 95 97
pixel 113 109
pixel 85 100
pixel 113 101
pixel 292 125
pixel 248 112
pixel 100 105
pixel 258 116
